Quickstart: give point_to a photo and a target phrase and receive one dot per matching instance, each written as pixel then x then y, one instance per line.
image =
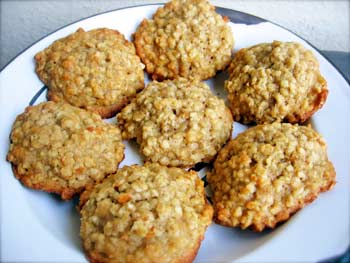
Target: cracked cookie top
pixel 268 173
pixel 177 122
pixel 184 38
pixel 62 149
pixel 278 81
pixel 97 70
pixel 148 213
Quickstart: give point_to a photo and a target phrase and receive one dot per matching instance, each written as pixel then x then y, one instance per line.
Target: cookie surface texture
pixel 278 81
pixel 147 213
pixel 185 38
pixel 177 123
pixel 97 70
pixel 267 173
pixel 58 148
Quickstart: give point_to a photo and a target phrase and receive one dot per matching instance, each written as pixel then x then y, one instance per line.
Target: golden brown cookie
pixel 97 70
pixel 58 148
pixel 147 213
pixel 268 173
pixel 278 81
pixel 185 38
pixel 177 122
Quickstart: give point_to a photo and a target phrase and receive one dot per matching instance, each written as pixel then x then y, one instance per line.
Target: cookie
pixel 267 174
pixel 177 122
pixel 97 70
pixel 185 38
pixel 147 213
pixel 278 81
pixel 58 148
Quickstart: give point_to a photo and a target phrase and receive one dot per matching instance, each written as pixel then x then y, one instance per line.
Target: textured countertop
pixel 325 24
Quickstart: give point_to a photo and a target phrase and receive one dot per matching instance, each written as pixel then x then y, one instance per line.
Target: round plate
pixel 36 226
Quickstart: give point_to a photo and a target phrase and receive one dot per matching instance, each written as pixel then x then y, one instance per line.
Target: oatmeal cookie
pixel 147 213
pixel 268 173
pixel 97 70
pixel 278 81
pixel 62 149
pixel 185 38
pixel 177 122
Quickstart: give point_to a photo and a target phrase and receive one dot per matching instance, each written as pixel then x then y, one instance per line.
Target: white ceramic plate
pixel 39 227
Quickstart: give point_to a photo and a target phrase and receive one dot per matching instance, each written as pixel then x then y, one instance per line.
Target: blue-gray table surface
pixel 341 60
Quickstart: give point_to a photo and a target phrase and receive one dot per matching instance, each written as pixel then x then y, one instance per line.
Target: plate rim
pixel 220 10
